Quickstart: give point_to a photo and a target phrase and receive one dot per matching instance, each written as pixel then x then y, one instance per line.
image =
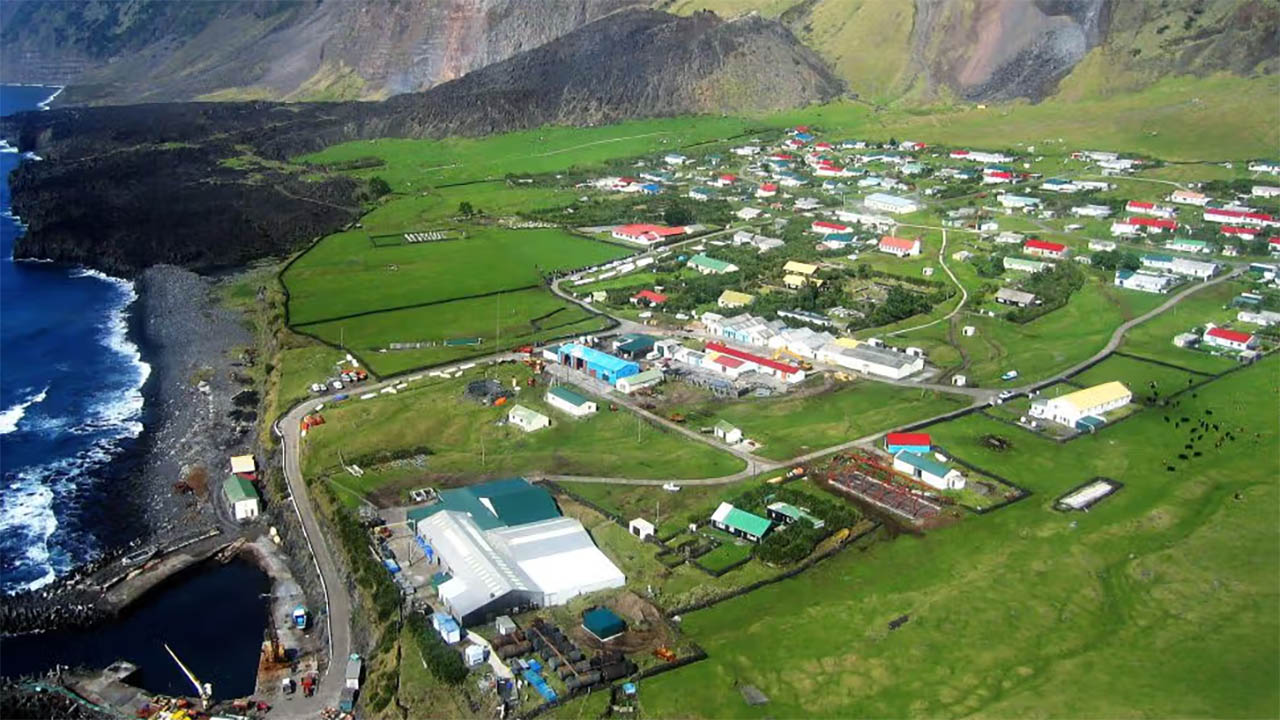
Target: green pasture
pixel 789 426
pixel 1139 376
pixel 1160 601
pixel 345 274
pixel 464 440
pixel 1154 338
pixel 501 321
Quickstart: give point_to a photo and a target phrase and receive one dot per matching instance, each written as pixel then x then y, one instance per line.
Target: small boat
pixel 137 557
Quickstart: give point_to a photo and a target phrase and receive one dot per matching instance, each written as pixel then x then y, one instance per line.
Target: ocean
pixel 71 402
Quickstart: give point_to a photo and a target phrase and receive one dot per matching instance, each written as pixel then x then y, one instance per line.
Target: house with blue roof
pixel 596 364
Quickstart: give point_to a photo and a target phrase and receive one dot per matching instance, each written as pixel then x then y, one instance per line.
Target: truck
pixel 300 617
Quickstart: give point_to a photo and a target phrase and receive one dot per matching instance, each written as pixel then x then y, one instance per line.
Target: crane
pixel 204 690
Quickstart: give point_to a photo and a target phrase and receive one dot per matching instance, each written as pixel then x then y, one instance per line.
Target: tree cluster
pixel 443 662
pixel 1053 286
pixel 794 542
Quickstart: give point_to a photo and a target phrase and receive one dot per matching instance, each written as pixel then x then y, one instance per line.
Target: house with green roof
pixel 725 431
pixel 241 497
pixel 928 470
pixel 566 400
pixel 786 513
pixel 740 522
pixel 494 504
pixel 710 266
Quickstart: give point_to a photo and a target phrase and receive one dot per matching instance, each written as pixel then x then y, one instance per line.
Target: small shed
pixel 727 432
pixel 959 380
pixel 603 623
pixel 641 528
pixel 242 498
pixel 527 419
pixel 244 466
pixel 475 655
pixel 968 331
pixel 504 625
pixel 448 628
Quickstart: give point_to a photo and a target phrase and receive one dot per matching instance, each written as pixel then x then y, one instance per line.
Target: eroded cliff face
pixel 122 51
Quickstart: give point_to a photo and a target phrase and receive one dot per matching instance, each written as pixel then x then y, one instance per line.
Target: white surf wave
pixel 121 409
pixel 6 147
pixel 10 417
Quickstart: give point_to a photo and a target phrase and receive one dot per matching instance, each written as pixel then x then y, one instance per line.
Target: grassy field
pixel 1161 601
pixel 1144 379
pixel 465 442
pixel 345 275
pixel 508 317
pixel 1154 338
pixel 789 426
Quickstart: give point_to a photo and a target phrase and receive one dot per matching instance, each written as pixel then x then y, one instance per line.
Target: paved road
pixel 338 602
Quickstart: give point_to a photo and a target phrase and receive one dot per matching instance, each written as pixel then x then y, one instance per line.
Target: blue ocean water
pixel 71 398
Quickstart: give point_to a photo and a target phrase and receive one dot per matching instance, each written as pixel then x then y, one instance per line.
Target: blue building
pixel 599 365
pixel 919 443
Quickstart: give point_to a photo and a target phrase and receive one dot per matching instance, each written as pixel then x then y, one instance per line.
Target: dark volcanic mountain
pixel 200 185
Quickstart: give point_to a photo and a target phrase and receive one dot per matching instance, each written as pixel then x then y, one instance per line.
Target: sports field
pixel 1160 601
pixel 347 275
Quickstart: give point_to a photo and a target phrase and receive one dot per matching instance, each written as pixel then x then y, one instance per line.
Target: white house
pixel 1188 197
pixel 1093 211
pixel 1266 318
pixel 1230 339
pixel 728 433
pixel 241 497
pixel 1103 245
pixel 1018 202
pixel 527 419
pixel 1266 191
pixel 928 470
pixel 902 247
pixel 1144 281
pixel 1070 408
pixel 570 402
pixel 639 381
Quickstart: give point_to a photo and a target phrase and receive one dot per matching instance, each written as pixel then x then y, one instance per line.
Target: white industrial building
pixel 495 563
pixel 1069 409
pixel 870 360
pixel 882 202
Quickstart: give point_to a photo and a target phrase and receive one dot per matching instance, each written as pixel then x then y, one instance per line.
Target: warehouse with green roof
pixel 568 401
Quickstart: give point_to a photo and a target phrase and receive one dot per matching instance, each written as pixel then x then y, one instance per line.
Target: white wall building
pixel 1068 409
pixel 869 360
pixel 527 419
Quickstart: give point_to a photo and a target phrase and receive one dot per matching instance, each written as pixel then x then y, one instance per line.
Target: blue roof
pixel 595 357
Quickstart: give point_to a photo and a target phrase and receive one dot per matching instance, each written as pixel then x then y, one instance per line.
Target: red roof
pixel 1273 241
pixel 1233 230
pixel 889 241
pixel 1141 205
pixel 1232 335
pixel 758 360
pixel 1034 244
pixel 638 229
pixel 1000 174
pixel 1259 216
pixel 782 156
pixel 802 128
pixel 1154 222
pixel 1225 213
pixel 729 178
pixel 729 362
pixel 769 187
pixel 959 153
pixel 908 439
pixel 651 296
pixel 829 225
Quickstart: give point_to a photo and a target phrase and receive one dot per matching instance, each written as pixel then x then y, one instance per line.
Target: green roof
pixel 725 426
pixel 796 513
pixel 710 263
pixel 644 376
pixel 603 622
pixel 237 489
pixel 747 522
pixel 1156 257
pixel 514 501
pixel 569 396
pixel 920 462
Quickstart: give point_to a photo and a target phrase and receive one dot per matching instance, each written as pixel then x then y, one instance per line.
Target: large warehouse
pixel 503 546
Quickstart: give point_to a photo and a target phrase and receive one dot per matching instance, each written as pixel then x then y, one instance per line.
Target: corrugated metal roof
pixel 741 520
pixel 927 464
pixel 569 396
pixel 238 489
pixel 1084 400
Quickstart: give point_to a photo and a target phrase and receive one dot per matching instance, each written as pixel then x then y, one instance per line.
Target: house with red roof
pixel 767 190
pixel 825 227
pixel 1244 233
pixel 1230 339
pixel 648 298
pixel 724 180
pixel 1240 217
pixel 895 443
pixel 1148 208
pixel 645 233
pixel 902 247
pixel 1044 248
pixel 1273 245
pixel 1153 225
pixel 758 363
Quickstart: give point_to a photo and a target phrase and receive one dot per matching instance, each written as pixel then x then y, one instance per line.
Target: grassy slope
pixel 1154 338
pixel 433 413
pixel 1161 601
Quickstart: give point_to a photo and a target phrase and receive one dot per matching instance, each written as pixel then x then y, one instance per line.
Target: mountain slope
pixel 156 50
pixel 199 184
pixel 1001 49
